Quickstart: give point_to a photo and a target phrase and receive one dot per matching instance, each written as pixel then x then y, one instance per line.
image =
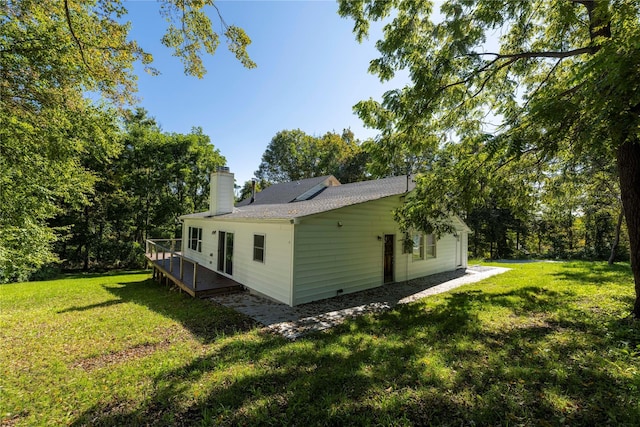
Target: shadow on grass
pixel 89 275
pixel 92 306
pixel 415 364
pixel 595 273
pixel 460 310
pixel 206 320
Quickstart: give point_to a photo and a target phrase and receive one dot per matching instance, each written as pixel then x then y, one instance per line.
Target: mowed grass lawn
pixel 544 344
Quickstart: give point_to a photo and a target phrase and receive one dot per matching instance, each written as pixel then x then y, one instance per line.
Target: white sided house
pixel 303 241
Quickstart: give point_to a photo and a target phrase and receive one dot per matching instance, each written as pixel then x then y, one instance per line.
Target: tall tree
pixel 251 187
pixel 41 170
pixel 140 194
pixel 465 176
pixel 564 76
pixel 292 155
pixel 53 55
pixel 581 208
pixel 288 157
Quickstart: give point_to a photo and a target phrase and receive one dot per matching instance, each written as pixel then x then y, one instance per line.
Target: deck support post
pixel 195 272
pixel 164 272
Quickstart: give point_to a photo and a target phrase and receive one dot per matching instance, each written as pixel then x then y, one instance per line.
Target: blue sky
pixel 311 71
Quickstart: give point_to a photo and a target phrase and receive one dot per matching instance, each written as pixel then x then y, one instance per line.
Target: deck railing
pixel 159 249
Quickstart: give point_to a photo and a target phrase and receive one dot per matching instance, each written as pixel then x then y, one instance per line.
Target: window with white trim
pixel 424 246
pixel 430 246
pixel 195 239
pixel 258 247
pixel 418 246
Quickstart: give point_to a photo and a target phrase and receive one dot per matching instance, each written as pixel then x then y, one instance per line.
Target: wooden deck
pixel 173 267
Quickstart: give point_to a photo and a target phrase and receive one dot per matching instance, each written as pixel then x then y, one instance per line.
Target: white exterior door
pixel 459 250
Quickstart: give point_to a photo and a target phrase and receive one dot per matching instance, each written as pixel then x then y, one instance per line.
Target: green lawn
pixel 544 344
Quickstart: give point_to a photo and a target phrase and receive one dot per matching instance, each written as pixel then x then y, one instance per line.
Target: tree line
pixel 515 207
pixel 150 179
pixel 66 80
pixel 138 195
pixel 557 174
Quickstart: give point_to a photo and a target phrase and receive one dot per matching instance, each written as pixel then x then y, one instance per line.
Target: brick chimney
pixel 222 183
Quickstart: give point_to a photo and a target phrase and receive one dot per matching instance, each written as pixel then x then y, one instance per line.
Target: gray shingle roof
pixel 285 192
pixel 331 198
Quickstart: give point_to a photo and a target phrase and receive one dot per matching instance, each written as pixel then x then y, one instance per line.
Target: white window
pixel 258 247
pixel 430 246
pixel 424 246
pixel 195 239
pixel 418 246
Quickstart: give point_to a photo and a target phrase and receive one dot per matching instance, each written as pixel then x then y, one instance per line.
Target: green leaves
pixel 293 155
pixel 238 41
pixel 455 73
pixel 156 178
pixel 40 169
pixel 551 80
pixel 66 65
pixel 190 34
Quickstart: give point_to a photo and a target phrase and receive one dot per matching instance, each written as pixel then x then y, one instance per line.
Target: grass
pixel 544 344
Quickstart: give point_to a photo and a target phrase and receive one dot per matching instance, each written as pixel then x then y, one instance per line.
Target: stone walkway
pixel 294 322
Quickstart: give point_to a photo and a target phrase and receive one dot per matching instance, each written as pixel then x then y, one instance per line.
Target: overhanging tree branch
pixel 542 83
pixel 73 34
pixel 512 58
pixel 540 54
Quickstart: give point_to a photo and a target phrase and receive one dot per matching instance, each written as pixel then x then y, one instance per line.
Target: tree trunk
pixel 570 230
pixel 146 221
pixel 99 241
pixel 616 240
pixel 629 169
pixel 87 239
pixel 475 243
pixel 539 243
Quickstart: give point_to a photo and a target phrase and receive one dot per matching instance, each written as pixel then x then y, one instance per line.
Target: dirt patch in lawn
pixel 128 354
pixel 11 420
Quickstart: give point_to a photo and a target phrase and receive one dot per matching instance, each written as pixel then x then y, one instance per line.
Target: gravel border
pixel 294 322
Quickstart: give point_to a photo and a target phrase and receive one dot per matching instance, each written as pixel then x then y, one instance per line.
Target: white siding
pixel 323 257
pixel 272 277
pixel 329 258
pixel 445 260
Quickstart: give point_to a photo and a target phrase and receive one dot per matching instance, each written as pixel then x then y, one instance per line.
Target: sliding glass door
pixel 225 252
